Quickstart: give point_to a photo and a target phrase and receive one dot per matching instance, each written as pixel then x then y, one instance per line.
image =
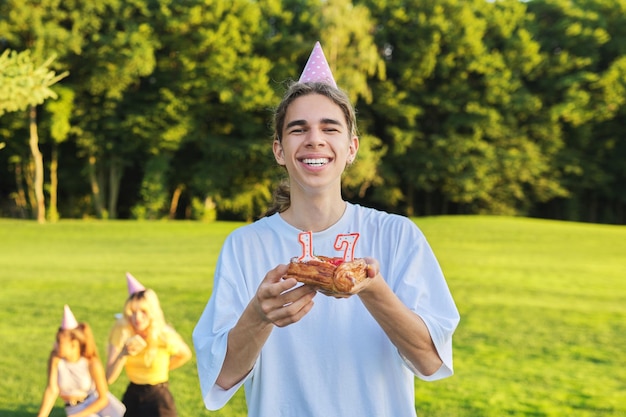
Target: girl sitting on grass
pixel 76 374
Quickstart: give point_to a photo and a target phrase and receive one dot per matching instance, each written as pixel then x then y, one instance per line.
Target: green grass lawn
pixel 543 315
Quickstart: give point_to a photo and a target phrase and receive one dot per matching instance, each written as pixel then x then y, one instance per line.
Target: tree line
pixel 162 108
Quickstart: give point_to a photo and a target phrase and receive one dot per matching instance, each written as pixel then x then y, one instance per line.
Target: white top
pixel 336 361
pixel 74 378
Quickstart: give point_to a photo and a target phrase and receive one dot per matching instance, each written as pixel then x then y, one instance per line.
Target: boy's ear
pixel 279 154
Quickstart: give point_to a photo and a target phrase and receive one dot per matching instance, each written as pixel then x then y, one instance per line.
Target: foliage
pixel 154 195
pixel 584 55
pixel 23 83
pixel 464 106
pixel 454 133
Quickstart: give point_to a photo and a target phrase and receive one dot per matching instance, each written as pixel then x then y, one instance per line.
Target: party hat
pixel 69 321
pixel 133 285
pixel 317 69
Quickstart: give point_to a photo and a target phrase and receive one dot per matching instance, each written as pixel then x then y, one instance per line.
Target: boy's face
pixel 316 144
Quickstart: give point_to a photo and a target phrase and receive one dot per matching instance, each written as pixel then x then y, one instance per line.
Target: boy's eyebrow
pixel 301 122
pixel 331 122
pixel 296 123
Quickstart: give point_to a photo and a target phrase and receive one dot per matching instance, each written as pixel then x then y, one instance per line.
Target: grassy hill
pixel 543 317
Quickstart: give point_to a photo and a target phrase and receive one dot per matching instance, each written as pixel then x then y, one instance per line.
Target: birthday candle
pixel 306 240
pixel 347 242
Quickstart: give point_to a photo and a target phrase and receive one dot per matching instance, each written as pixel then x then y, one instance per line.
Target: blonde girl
pixel 148 348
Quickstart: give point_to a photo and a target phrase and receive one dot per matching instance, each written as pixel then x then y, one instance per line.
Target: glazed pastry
pixel 330 275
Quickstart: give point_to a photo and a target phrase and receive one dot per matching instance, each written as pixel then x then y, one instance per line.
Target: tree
pixel 117 50
pixel 210 90
pixel 582 82
pixel 453 109
pixel 463 106
pixel 60 115
pixel 24 85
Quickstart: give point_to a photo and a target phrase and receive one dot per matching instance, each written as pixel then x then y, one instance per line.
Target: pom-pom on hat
pixel 69 321
pixel 133 285
pixel 317 69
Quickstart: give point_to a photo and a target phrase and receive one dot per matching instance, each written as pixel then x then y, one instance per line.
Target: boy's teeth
pixel 316 161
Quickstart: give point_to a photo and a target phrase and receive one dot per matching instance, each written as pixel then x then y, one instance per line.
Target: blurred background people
pixel 148 348
pixel 76 374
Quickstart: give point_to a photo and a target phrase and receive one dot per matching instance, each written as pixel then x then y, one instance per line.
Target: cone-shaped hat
pixel 317 69
pixel 69 321
pixel 133 285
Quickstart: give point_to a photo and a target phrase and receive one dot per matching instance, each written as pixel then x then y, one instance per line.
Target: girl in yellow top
pixel 148 348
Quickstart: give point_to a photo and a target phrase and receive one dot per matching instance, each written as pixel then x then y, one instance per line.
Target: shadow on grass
pixel 14 413
pixel 22 411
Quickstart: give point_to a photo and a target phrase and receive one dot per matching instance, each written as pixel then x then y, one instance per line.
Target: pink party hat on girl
pixel 317 69
pixel 69 321
pixel 133 285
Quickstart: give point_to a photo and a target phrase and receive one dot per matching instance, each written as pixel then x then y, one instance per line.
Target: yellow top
pixel 151 365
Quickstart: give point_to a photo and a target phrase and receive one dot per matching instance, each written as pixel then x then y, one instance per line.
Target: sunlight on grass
pixel 542 320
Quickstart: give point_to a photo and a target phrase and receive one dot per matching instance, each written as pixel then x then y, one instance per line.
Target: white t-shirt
pixel 336 361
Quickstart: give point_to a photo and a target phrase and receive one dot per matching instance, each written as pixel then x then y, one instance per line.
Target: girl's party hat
pixel 133 285
pixel 69 321
pixel 317 69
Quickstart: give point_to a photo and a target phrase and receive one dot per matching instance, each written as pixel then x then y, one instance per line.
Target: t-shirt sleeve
pixel 423 288
pixel 210 335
